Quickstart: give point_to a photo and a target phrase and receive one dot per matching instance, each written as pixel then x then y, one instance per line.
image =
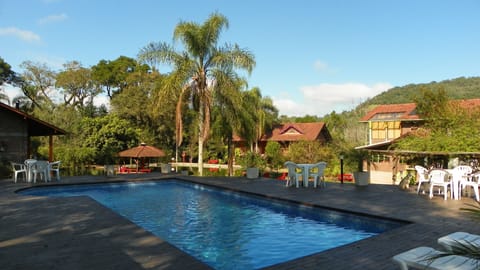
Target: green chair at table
pixel 316 171
pixel 295 172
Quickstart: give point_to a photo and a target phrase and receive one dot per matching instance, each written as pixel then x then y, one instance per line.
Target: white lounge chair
pixel 294 173
pixel 316 171
pixel 424 258
pixel 422 173
pixel 457 239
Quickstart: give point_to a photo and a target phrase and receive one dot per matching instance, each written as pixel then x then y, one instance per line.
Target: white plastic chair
pixel 459 174
pixel 55 168
pixel 316 171
pixel 472 181
pixel 422 172
pixel 294 173
pixel 40 168
pixel 439 178
pixel 18 169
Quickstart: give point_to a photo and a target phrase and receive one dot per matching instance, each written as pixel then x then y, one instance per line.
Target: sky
pixel 312 56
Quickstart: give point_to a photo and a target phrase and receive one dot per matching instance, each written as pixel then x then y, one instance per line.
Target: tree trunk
pixel 230 157
pixel 201 131
pixel 200 156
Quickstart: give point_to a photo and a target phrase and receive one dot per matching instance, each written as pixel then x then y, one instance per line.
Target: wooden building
pixel 16 129
pixel 285 134
pixel 387 124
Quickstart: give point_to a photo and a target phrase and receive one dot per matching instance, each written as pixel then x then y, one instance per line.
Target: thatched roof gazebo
pixel 140 152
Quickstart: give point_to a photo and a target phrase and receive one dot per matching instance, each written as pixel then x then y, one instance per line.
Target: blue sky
pixel 312 57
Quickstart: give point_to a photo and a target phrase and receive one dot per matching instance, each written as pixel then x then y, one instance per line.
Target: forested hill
pixel 459 88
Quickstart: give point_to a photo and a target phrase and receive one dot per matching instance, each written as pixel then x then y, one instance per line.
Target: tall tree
pixel 77 84
pixel 112 75
pixel 6 72
pixel 38 82
pixel 231 117
pixel 137 104
pixel 203 67
pixel 432 106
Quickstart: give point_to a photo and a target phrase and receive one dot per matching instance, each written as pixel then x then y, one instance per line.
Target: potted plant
pixel 252 162
pixel 361 176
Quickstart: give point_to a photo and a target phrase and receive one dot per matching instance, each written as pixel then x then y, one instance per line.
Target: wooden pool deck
pixel 78 233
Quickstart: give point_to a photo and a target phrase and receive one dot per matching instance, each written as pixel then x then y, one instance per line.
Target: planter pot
pixel 166 167
pixel 110 170
pixel 361 178
pixel 252 173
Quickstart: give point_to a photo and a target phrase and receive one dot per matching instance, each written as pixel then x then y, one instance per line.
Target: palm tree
pixel 203 68
pixel 231 117
pixel 264 113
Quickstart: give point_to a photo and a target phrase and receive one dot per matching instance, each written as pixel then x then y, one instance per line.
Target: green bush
pixel 273 154
pixel 251 160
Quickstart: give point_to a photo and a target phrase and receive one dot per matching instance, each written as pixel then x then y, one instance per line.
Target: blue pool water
pixel 225 229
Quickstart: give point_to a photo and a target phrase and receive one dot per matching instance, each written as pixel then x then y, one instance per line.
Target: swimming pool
pixel 225 229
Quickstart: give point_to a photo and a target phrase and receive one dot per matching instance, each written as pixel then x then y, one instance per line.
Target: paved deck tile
pixel 78 233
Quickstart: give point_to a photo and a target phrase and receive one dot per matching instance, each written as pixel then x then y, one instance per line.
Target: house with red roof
pixel 387 123
pixel 287 133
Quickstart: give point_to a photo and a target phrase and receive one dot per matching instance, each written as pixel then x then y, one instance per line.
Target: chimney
pixel 17 105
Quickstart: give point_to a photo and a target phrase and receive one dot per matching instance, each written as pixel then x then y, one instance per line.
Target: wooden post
pixel 29 148
pixel 341 169
pixel 50 148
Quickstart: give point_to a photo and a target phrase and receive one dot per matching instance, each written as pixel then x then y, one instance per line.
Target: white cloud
pixel 320 65
pixel 323 67
pixel 324 98
pixel 19 33
pixel 53 18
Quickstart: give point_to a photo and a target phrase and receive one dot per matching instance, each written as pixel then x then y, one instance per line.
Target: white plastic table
pixel 306 172
pixel 456 180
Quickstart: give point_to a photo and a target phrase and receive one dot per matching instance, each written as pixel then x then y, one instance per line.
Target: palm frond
pixel 157 52
pixel 469 250
pixel 473 211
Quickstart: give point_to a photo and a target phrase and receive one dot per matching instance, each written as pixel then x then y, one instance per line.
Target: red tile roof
pixel 407 111
pixel 468 103
pixel 295 132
